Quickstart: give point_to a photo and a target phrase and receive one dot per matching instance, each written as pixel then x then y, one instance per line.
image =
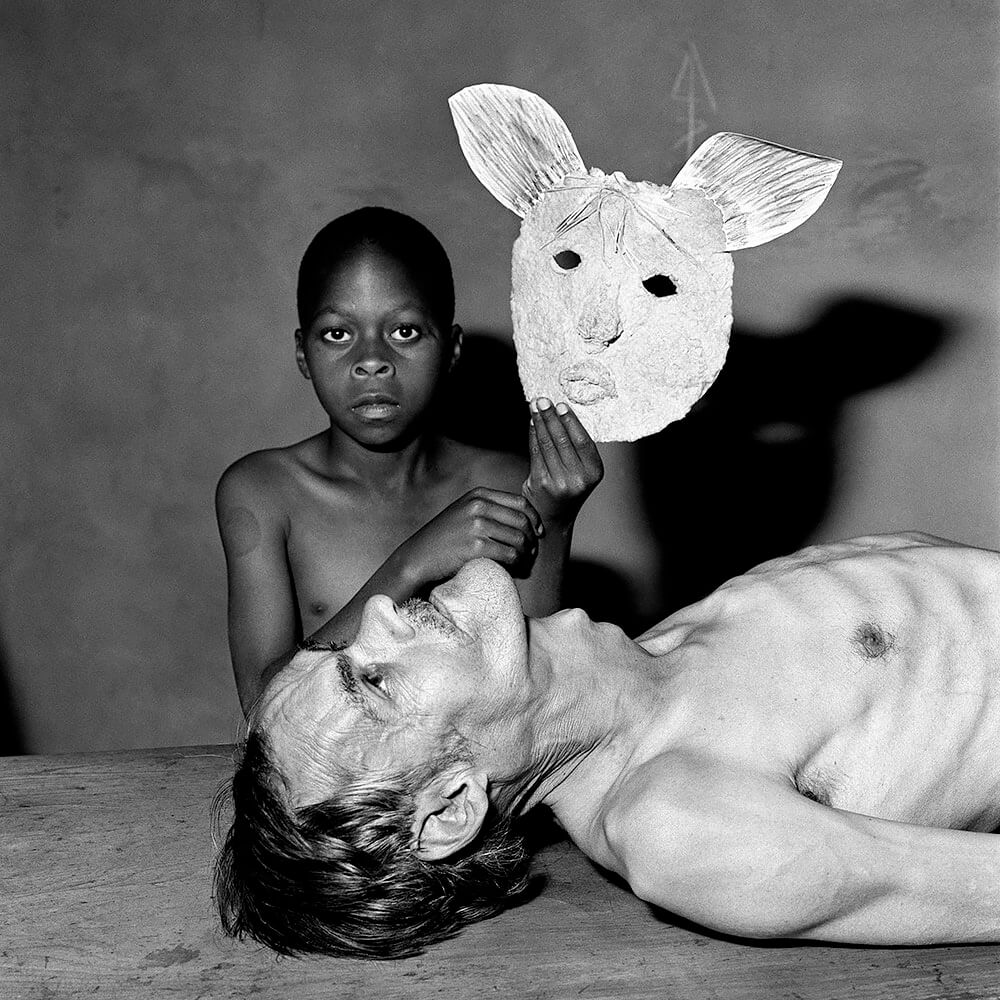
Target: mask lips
pixel 587 382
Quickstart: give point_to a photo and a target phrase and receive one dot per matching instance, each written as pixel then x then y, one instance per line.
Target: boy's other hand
pixel 481 524
pixel 565 464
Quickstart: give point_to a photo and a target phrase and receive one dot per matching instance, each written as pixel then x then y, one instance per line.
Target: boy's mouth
pixel 375 406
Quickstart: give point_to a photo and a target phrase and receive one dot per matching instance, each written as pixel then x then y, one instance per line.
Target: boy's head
pixel 396 235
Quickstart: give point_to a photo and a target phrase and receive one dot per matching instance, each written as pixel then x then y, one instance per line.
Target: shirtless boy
pixel 381 502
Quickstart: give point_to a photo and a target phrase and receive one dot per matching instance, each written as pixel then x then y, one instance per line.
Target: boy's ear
pixel 300 355
pixel 456 346
pixel 763 190
pixel 449 813
pixel 514 142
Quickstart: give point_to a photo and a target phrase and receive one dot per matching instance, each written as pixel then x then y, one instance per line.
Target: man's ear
pixel 449 813
pixel 456 346
pixel 300 355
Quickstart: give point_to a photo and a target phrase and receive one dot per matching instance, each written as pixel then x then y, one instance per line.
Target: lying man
pixel 799 755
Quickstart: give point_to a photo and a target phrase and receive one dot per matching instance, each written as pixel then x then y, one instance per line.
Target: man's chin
pixel 479 592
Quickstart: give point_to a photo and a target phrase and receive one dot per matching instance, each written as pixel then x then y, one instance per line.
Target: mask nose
pixel 600 323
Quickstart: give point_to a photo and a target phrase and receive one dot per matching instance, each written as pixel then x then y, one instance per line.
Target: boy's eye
pixel 335 335
pixel 405 334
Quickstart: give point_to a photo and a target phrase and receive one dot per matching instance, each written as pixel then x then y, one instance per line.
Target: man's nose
pixel 382 617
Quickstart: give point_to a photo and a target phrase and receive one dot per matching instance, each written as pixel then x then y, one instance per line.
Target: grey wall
pixel 163 166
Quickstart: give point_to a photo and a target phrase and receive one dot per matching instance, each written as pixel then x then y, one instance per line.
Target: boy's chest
pixel 337 543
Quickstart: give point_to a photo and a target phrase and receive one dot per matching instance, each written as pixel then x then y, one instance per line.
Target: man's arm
pixel 748 855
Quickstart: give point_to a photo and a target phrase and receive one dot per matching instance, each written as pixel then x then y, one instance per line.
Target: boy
pixel 381 502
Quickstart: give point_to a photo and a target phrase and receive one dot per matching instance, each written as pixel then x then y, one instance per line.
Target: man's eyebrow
pixel 350 685
pixel 347 680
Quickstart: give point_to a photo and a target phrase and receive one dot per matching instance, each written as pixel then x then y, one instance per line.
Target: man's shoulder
pixel 665 813
pixel 875 562
pixel 851 549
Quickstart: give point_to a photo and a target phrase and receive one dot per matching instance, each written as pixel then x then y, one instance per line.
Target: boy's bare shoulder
pixel 266 474
pixel 498 470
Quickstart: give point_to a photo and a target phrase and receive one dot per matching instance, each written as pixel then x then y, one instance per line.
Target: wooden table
pixel 106 865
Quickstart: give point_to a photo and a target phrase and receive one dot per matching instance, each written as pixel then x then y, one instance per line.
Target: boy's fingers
pixel 566 448
pixel 509 535
pixel 582 441
pixel 512 500
pixel 547 450
pixel 520 515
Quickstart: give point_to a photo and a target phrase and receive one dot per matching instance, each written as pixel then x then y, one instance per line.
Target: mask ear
pixel 763 190
pixel 449 814
pixel 515 143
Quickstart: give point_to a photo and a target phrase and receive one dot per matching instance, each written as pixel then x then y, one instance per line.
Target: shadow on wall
pixel 748 475
pixel 11 735
pixel 482 403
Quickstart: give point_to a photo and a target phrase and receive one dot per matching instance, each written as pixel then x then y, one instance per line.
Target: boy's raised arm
pixel 565 469
pixel 481 524
pixel 263 619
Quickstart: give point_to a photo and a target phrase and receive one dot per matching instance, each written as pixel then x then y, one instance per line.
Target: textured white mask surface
pixel 621 291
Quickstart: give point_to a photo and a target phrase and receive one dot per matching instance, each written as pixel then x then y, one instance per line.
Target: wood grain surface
pixel 105 861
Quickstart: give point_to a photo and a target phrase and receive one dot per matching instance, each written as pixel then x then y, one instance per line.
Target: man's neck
pixel 601 691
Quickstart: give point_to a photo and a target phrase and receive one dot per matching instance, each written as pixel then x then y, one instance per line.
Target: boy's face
pixel 374 350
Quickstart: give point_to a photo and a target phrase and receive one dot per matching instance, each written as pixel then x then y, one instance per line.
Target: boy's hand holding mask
pixel 621 290
pixel 565 464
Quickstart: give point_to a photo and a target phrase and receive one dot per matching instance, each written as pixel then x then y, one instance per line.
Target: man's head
pixel 363 817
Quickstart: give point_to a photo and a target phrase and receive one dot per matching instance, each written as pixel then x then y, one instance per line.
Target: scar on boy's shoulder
pixel 242 529
pixel 871 641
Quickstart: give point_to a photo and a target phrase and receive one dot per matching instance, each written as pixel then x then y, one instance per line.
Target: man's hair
pixel 340 877
pixel 397 235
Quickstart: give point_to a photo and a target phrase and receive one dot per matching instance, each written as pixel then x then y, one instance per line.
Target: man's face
pixel 414 675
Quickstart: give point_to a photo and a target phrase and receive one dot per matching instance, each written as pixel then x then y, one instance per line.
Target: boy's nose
pixel 372 366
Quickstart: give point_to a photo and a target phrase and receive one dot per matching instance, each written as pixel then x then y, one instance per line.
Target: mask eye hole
pixel 566 260
pixel 660 286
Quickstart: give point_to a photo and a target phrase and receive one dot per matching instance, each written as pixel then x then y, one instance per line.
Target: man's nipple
pixel 871 641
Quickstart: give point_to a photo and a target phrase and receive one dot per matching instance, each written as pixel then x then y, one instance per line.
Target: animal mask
pixel 622 290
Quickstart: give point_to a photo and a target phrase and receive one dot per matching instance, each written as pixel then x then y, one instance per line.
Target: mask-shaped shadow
pixel 481 402
pixel 748 474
